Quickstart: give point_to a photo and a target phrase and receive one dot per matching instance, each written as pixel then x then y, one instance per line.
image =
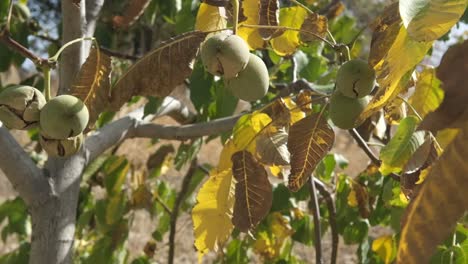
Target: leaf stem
pixel 235 16
pixel 57 55
pixel 8 21
pixel 333 46
pixel 46 72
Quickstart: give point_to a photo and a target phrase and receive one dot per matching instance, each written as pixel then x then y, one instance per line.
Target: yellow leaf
pixel 212 214
pixel 403 55
pixel 384 247
pixel 428 20
pixel 251 10
pixel 288 42
pixel 225 161
pixel 210 18
pixel 439 204
pixel 428 94
pixel 352 199
pixel 275 170
pixel 247 128
pixel 296 112
pixel 446 136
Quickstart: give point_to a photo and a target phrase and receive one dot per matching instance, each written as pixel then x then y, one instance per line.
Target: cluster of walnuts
pixel 355 80
pixel 245 74
pixel 61 120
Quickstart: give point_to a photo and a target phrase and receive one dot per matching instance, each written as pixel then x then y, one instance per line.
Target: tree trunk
pixel 53 222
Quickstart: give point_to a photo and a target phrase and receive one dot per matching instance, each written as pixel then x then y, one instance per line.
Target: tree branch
pixel 176 208
pixel 132 126
pixel 21 171
pixel 363 145
pixel 322 188
pixel 317 228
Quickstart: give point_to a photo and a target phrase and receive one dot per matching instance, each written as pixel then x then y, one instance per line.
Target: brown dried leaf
pixel 439 204
pixel 452 72
pixel 395 111
pixel 279 113
pixel 304 101
pixel 254 193
pixel 132 12
pixel 310 139
pixel 92 85
pixel 385 30
pixel 159 72
pixel 335 10
pixel 272 147
pixel 269 15
pixel 314 23
pixel 362 197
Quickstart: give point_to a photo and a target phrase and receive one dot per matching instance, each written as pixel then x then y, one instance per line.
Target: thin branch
pixel 131 127
pixel 322 188
pixel 119 55
pixel 175 210
pixel 15 46
pixel 317 228
pixel 21 171
pixel 163 204
pixel 8 21
pixel 363 145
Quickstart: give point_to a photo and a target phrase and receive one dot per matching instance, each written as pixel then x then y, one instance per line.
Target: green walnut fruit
pixel 63 117
pixel 252 83
pixel 345 110
pixel 61 147
pixel 225 55
pixel 20 106
pixel 355 78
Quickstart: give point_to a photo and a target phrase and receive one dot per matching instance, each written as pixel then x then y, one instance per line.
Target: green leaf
pixel 225 103
pixel 16 213
pixel 200 85
pixel 115 170
pixel 428 20
pixel 187 152
pixel 152 106
pixel 116 208
pixel 18 256
pixel 304 230
pixel 281 196
pixel 428 94
pixel 402 145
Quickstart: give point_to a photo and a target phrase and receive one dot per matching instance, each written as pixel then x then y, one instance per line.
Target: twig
pixel 118 54
pixel 363 145
pixel 322 188
pixel 163 204
pixel 17 47
pixel 316 212
pixel 175 210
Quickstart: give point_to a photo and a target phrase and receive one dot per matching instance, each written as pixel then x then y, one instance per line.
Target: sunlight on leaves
pixel 402 146
pixel 246 129
pixel 210 18
pixel 452 72
pixel 428 20
pixel 385 248
pixel 212 214
pixel 399 60
pixel 287 43
pixel 441 201
pixel 251 10
pixel 428 94
pixel 92 85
